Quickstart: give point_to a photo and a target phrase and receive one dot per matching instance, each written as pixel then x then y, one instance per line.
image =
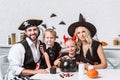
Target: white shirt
pixel 16 57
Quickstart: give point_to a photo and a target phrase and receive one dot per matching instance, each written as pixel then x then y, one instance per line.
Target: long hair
pixel 88 40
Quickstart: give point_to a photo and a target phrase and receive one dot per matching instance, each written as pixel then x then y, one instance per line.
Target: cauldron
pixel 68 65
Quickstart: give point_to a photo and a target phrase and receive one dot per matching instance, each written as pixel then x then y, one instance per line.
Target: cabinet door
pixel 113 58
pixel 4 50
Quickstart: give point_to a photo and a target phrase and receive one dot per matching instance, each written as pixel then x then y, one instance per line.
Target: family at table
pixel 32 56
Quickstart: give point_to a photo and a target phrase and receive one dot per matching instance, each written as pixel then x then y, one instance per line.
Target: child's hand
pixel 42 49
pixel 65 57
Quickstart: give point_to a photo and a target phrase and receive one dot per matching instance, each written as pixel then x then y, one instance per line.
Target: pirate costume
pixel 23 55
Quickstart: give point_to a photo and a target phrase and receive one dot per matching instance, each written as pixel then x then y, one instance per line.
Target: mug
pixel 53 70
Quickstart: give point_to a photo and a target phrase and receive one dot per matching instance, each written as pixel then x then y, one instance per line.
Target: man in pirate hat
pixel 24 57
pixel 90 50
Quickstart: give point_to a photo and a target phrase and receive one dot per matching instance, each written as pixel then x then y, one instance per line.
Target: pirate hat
pixel 30 23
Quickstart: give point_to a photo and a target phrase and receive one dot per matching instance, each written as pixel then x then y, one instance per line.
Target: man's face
pixel 32 33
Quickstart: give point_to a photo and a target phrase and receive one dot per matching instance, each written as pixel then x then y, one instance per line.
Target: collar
pixel 30 41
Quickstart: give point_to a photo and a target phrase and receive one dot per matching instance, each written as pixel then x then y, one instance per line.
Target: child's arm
pixel 47 60
pixel 57 62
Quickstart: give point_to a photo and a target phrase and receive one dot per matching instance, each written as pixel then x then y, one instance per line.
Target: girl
pixel 70 48
pixel 51 50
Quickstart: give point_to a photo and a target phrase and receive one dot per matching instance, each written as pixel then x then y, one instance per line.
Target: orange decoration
pixel 104 43
pixel 92 73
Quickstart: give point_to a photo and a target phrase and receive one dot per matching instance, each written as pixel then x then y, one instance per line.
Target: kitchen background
pixel 59 14
pixel 104 14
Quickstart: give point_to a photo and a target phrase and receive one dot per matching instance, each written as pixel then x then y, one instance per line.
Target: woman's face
pixel 81 33
pixel 49 39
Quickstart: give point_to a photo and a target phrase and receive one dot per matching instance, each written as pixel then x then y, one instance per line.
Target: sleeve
pixel 58 46
pixel 16 58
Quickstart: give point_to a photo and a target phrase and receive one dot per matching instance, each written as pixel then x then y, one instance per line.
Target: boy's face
pixel 49 39
pixel 70 47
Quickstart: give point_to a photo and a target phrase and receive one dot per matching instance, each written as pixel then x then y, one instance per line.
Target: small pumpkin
pixel 103 43
pixel 92 73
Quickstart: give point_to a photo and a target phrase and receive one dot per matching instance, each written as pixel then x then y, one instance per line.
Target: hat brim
pixel 32 22
pixel 89 26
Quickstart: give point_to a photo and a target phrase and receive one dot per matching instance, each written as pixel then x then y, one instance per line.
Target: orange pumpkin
pixel 92 73
pixel 104 43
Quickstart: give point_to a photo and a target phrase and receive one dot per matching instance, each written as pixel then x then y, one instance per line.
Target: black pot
pixel 68 65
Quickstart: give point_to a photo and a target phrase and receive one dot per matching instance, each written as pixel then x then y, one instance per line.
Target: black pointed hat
pixel 81 22
pixel 30 23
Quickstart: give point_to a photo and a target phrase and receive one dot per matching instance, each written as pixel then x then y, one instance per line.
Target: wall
pixel 104 14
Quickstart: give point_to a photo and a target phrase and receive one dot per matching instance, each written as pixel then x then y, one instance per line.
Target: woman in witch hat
pixel 90 50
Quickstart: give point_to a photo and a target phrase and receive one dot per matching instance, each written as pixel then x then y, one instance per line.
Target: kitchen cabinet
pixel 4 50
pixel 113 55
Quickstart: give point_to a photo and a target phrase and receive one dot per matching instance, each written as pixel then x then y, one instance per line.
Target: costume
pixel 76 56
pixel 53 53
pixel 23 55
pixel 68 65
pixel 92 59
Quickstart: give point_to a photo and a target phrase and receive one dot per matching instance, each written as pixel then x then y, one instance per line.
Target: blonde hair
pixel 51 31
pixel 88 38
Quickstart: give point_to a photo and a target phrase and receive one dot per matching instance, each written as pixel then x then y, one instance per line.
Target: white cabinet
pixel 113 55
pixel 4 50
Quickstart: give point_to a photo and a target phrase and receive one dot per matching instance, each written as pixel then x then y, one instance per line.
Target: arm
pixel 16 60
pixel 47 59
pixel 102 58
pixel 26 72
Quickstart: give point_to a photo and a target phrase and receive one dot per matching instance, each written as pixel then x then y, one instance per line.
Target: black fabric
pixel 68 65
pixel 76 56
pixel 28 61
pixel 92 59
pixel 53 53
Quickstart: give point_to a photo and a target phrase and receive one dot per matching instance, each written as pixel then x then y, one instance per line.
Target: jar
pixel 13 37
pixel 22 36
pixel 115 41
pixel 9 39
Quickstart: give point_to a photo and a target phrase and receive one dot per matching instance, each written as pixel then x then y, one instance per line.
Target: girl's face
pixel 70 46
pixel 81 33
pixel 49 39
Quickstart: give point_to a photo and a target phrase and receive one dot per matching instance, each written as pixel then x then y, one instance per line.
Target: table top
pixel 104 74
pixel 111 47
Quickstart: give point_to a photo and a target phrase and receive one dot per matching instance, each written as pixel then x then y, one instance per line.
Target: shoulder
pixel 56 43
pixel 16 49
pixel 64 54
pixel 96 42
pixel 17 45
